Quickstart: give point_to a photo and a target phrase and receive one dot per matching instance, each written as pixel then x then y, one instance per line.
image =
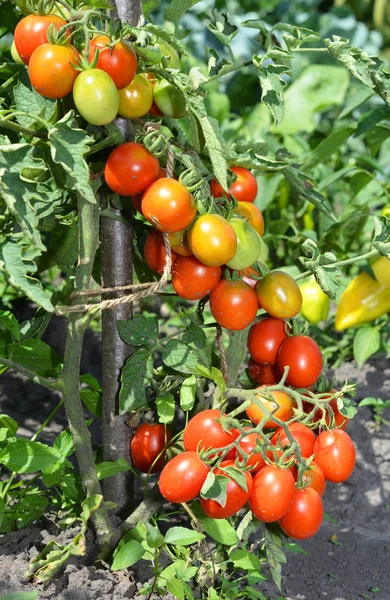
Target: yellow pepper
pixel 315 303
pixel 365 299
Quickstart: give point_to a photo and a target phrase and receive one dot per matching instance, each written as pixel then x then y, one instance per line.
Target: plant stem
pixel 50 384
pixel 235 67
pixel 47 421
pixel 342 263
pixel 23 130
pixel 144 510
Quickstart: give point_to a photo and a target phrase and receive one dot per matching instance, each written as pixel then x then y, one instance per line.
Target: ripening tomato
pixel 182 477
pixel 96 97
pixel 313 478
pixel 305 515
pixel 250 212
pixel 244 188
pixel 31 32
pixel 304 437
pixel 334 453
pixel 281 407
pixel 279 295
pixel 51 70
pixel 192 280
pixel 204 431
pixel 303 356
pixel 154 109
pixel 169 100
pixel 263 374
pixel 118 61
pixel 233 304
pixel 137 200
pixel 265 338
pixel 212 240
pixel 179 243
pixel 130 169
pixel 248 245
pixel 170 53
pixel 272 493
pixel 15 54
pixel 236 496
pixel 155 253
pixel 168 205
pixel 249 274
pixel 147 447
pixel 136 98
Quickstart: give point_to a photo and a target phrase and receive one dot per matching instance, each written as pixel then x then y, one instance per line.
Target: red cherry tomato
pixel 204 431
pixel 168 205
pixel 265 338
pixel 249 444
pixel 281 407
pixel 334 453
pixel 248 274
pixel 279 294
pixel 304 518
pixel 137 200
pixel 303 356
pixel 236 496
pixel 119 61
pixel 130 169
pixel 264 374
pixel 314 478
pixel 147 445
pixel 31 32
pixel 244 189
pixel 272 494
pixel 50 70
pixel 233 304
pixel 182 477
pixel 339 420
pixel 193 280
pixel 155 253
pixel 304 437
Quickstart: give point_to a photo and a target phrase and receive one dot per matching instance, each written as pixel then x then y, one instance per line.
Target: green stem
pixel 343 263
pixel 108 141
pixel 309 50
pixel 23 130
pixel 50 384
pixel 47 421
pixel 235 67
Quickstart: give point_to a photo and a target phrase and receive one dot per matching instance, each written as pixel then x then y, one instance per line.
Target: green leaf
pixel 24 456
pixel 181 536
pixel 188 393
pixel 148 6
pixel 224 28
pixel 211 131
pixel 179 356
pixel 195 336
pixel 355 99
pixel 367 342
pixel 53 474
pixel 20 596
pixel 153 536
pixel 176 9
pixel 237 476
pixel 138 330
pixel 34 355
pixel 301 184
pixel 135 380
pixel 92 396
pixel 274 552
pixel 165 408
pixel 272 85
pixel 215 488
pixel 180 570
pixel 9 423
pixel 214 374
pixel 64 443
pixel 218 529
pixel 328 146
pixel 10 322
pixel 242 559
pixel 176 588
pixel 108 469
pixel 33 104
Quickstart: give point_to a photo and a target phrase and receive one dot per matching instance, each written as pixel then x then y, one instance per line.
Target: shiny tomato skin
pixel 233 304
pixel 236 497
pixel 205 431
pixel 169 100
pixel 279 295
pixel 305 515
pixel 50 70
pixel 96 97
pixel 272 493
pixel 136 98
pixel 182 477
pixel 244 189
pixel 130 169
pixel 250 212
pixel 304 437
pixel 265 338
pixel 314 478
pixel 263 374
pixel 334 453
pixel 147 443
pixel 212 240
pixel 168 205
pixel 281 407
pixel 154 109
pixel 155 253
pixel 170 53
pixel 137 200
pixel 249 245
pixel 31 32
pixel 303 356
pixel 192 280
pixel 179 243
pixel 119 61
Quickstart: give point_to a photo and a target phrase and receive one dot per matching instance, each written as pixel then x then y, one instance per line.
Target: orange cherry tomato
pixel 281 407
pixel 136 98
pixel 212 240
pixel 233 304
pixel 191 279
pixel 31 32
pixel 155 253
pixel 252 214
pixel 51 70
pixel 130 169
pixel 168 205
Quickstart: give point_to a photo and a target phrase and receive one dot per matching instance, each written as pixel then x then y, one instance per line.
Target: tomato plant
pixel 203 431
pixel 244 188
pixel 263 374
pixel 96 97
pixel 155 253
pixel 334 453
pixel 303 436
pixel 31 32
pixel 168 99
pixel 248 245
pixel 118 61
pixel 168 205
pixel 314 478
pixel 265 338
pixel 281 407
pixel 192 279
pixel 236 496
pixel 250 212
pixel 279 295
pixel 135 100
pixel 212 240
pixel 147 447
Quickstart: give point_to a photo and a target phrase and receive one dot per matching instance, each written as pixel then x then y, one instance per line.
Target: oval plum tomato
pixel 137 200
pixel 248 245
pixel 147 447
pixel 118 61
pixel 130 169
pixel 249 444
pixel 192 280
pixel 250 212
pixel 244 188
pixel 154 109
pixel 96 97
pixel 50 70
pixel 249 275
pixel 236 496
pixel 168 205
pixel 265 338
pixel 279 295
pixel 233 304
pixel 168 99
pixel 304 517
pixel 204 431
pixel 179 243
pixel 182 477
pixel 304 437
pixel 303 356
pixel 272 493
pixel 334 453
pixel 313 478
pixel 212 240
pixel 281 407
pixel 170 53
pixel 136 98
pixel 263 374
pixel 31 32
pixel 155 253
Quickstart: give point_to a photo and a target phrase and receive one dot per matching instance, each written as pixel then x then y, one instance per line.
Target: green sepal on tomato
pixel 236 496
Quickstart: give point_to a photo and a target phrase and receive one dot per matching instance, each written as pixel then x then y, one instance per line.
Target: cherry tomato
pixel 182 477
pixel 248 244
pixel 31 32
pixel 130 169
pixel 118 61
pixel 168 205
pixel 233 304
pixel 265 338
pixel 279 295
pixel 244 189
pixel 15 54
pixel 192 279
pixel 303 356
pixel 168 99
pixel 263 373
pixel 335 454
pixel 314 478
pixel 136 99
pixel 155 253
pixel 248 276
pixel 170 53
pixel 50 70
pixel 249 444
pixel 250 212
pixel 204 431
pixel 179 243
pixel 154 109
pixel 304 517
pixel 148 443
pixel 339 419
pixel 137 200
pixel 281 407
pixel 96 97
pixel 236 496
pixel 304 437
pixel 212 240
pixel 272 493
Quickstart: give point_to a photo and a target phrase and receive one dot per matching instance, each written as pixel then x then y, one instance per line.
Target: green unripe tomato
pixel 386 211
pixel 248 245
pixel 15 54
pixel 169 100
pixel 169 52
pixel 315 303
pixel 96 97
